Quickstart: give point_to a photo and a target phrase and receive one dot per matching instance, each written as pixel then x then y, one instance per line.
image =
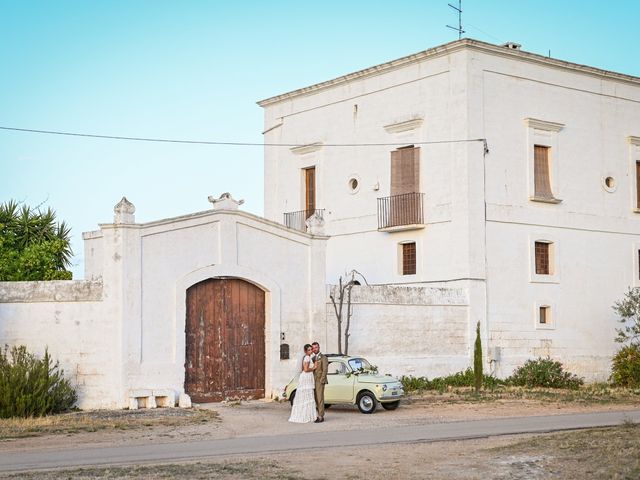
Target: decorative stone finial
pixel 225 202
pixel 315 224
pixel 124 212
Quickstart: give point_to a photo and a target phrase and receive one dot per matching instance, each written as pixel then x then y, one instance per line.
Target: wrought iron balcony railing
pixel 297 220
pixel 401 212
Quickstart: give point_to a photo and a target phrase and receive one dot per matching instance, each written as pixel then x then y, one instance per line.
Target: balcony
pixel 296 220
pixel 401 212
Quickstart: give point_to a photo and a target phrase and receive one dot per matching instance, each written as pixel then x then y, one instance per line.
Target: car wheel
pixel 292 396
pixel 327 405
pixel 366 402
pixel 391 405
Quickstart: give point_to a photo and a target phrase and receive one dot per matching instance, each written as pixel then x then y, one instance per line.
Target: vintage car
pixel 352 380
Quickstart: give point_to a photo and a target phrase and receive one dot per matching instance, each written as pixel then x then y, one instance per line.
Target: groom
pixel 320 377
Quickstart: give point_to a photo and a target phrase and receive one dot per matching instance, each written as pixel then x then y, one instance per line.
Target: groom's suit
pixel 320 377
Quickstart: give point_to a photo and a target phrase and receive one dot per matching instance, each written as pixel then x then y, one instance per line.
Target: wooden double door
pixel 225 340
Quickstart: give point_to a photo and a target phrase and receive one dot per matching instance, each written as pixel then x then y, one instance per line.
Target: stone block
pixel 184 401
pixel 165 398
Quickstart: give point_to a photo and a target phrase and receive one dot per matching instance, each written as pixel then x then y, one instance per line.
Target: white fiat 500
pixel 352 380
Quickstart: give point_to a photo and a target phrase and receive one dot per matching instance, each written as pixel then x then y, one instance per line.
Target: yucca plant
pixel 33 245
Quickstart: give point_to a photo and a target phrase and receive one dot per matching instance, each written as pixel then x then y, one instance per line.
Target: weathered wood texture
pixel 225 347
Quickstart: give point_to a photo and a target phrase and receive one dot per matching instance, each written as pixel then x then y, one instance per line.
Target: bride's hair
pixel 307 346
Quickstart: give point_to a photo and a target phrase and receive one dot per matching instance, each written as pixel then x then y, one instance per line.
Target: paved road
pixel 210 449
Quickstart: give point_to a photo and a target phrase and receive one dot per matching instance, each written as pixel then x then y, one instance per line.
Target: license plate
pixel 394 393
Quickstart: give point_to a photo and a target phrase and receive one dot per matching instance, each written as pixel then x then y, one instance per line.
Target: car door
pixel 340 386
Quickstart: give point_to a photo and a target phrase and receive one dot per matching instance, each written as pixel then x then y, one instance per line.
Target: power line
pixel 236 144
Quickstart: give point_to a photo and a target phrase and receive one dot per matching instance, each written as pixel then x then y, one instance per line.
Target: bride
pixel 304 403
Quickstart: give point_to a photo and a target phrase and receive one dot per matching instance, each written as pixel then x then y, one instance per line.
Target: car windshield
pixel 359 364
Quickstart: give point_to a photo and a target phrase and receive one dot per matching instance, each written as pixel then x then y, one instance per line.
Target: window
pixel 543 146
pixel 408 258
pixel 637 184
pixel 405 170
pixel 542 178
pixel 336 368
pixel 309 191
pixel 543 266
pixel 544 316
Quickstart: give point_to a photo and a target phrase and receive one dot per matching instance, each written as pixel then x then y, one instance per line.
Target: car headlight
pixel 384 387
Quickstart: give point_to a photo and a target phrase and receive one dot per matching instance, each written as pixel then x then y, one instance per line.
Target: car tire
pixel 391 405
pixel 291 397
pixel 366 402
pixel 327 405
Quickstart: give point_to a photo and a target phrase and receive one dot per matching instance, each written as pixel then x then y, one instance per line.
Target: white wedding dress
pixel 304 403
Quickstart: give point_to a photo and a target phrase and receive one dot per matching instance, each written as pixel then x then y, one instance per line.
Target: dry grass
pixel 249 470
pixel 599 453
pixel 593 394
pixel 92 421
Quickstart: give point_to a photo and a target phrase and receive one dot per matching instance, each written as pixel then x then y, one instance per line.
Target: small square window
pixel 544 315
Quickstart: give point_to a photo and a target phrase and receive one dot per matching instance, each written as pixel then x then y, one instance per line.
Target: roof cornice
pixel 446 49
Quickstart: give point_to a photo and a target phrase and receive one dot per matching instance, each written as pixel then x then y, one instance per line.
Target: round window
pixel 353 185
pixel 609 184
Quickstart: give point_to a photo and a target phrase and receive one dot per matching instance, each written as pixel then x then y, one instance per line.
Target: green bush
pixel 625 367
pixel 32 386
pixel 544 372
pixel 465 378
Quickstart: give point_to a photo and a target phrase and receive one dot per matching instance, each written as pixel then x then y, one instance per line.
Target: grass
pixel 599 453
pixel 248 469
pixel 96 420
pixel 590 394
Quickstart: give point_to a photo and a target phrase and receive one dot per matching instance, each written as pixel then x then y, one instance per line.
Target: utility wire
pixel 238 144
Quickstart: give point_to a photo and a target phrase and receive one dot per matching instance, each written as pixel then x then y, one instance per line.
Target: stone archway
pixel 225 340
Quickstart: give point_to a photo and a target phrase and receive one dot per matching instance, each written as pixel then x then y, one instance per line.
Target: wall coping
pixel 405 295
pixel 51 291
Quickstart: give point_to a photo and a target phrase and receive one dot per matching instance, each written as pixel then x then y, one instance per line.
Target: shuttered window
pixel 310 191
pixel 409 258
pixel 542 258
pixel 405 170
pixel 541 174
pixel 637 184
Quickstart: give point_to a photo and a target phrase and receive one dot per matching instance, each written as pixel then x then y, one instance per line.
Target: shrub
pixel 464 378
pixel 625 367
pixel 544 372
pixel 32 386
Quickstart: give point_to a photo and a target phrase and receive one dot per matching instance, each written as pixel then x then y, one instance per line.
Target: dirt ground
pixel 602 453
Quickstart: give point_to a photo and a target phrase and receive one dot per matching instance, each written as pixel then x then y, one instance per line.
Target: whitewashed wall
pixel 483 236
pixel 125 330
pixel 419 331
pixel 76 323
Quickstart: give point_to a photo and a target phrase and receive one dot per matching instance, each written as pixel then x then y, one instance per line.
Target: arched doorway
pixel 225 340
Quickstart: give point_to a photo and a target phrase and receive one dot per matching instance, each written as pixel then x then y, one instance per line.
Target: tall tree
pixel 33 245
pixel 477 360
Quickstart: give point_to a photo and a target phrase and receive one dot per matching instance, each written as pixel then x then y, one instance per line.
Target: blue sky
pixel 194 70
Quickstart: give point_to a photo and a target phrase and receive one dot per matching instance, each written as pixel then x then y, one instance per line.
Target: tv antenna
pixel 459 10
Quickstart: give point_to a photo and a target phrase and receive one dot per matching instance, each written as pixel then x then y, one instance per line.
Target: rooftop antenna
pixel 459 10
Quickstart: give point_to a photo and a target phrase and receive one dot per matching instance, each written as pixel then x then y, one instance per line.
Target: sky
pixel 194 70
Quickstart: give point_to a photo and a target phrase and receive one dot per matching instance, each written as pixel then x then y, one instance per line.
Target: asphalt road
pixel 210 449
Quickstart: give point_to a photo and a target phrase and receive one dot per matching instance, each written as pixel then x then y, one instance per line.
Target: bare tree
pixel 338 297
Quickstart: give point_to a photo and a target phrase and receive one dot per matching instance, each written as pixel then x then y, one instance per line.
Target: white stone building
pixel 509 175
pixel 467 183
